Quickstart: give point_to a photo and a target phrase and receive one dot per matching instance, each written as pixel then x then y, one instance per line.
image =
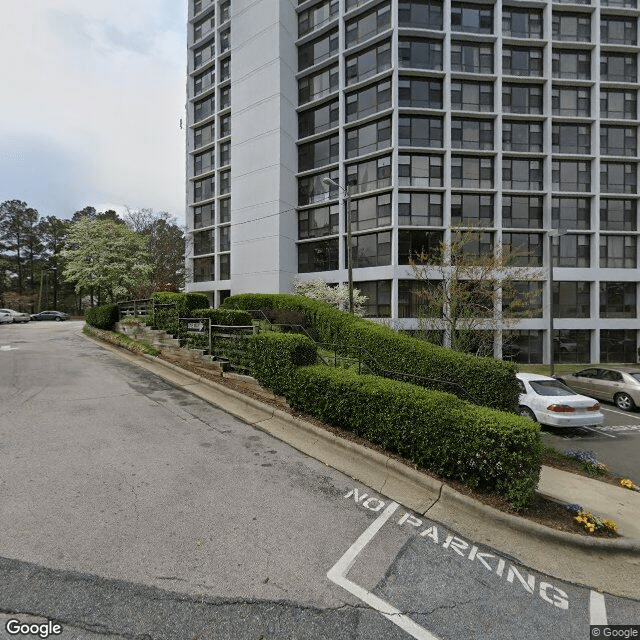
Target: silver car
pixel 620 385
pixel 17 316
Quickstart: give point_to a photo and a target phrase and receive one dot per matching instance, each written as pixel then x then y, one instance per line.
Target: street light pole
pixel 329 182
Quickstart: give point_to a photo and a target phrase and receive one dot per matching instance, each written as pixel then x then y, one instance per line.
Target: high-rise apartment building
pixel 513 118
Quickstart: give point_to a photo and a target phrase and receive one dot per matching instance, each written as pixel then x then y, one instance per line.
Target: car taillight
pixel 596 407
pixel 560 408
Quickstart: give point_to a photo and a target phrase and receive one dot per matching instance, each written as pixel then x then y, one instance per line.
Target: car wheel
pixel 624 401
pixel 525 412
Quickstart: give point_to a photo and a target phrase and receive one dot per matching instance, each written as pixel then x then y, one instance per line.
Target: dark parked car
pixel 620 385
pixel 58 316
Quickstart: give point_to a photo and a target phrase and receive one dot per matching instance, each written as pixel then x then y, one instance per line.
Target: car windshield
pixel 635 375
pixel 551 388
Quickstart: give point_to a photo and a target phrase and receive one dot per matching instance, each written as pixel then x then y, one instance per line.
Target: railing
pixel 144 307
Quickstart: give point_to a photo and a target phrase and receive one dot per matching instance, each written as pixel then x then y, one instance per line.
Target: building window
pixel 204 242
pixel 471 58
pixel 225 97
pixel 618 345
pixel 521 61
pixel 367 25
pixel 318 256
pixel 318 50
pixel 316 16
pixel 522 346
pixel 571 213
pixel 225 153
pixel 371 99
pixel 368 138
pixel 524 249
pixel 368 63
pixel 225 40
pixel 317 85
pixel 618 141
pixel 199 5
pixel 471 173
pixel 618 104
pixel 204 269
pixel 623 4
pixel 412 302
pixel 618 177
pixel 225 69
pixel 369 175
pixel 416 170
pixel 225 266
pixel 471 96
pixel 618 252
pixel 415 244
pixel 572 346
pixel 471 18
pixel 317 120
pixel 571 138
pixel 572 250
pixel 618 67
pixel 225 238
pixel 224 206
pixel 467 133
pixel 522 23
pixel 225 125
pixel 370 250
pixel 420 53
pixel 203 162
pixel 570 175
pixel 204 81
pixel 318 222
pixel 371 212
pixel 420 209
pixel 522 212
pixel 522 98
pixel 575 27
pixel 470 209
pixel 202 55
pixel 618 215
pixel 519 135
pixel 204 189
pixel 421 93
pixel 572 299
pixel 378 294
pixel 420 131
pixel 618 299
pixel 311 189
pixel 319 153
pixel 522 174
pixel 204 108
pixel 225 182
pixel 203 136
pixel 203 27
pixel 571 64
pixel 225 11
pixel 522 299
pixel 477 248
pixel 618 30
pixel 571 101
pixel 420 14
pixel 203 216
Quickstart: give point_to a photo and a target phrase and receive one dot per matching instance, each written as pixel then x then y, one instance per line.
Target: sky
pixel 91 97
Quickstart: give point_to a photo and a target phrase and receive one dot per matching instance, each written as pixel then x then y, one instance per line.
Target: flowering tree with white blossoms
pixel 336 295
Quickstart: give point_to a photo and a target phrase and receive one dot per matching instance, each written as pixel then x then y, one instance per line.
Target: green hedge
pixel 481 447
pixel 225 317
pixel 166 318
pixel 491 382
pixel 104 316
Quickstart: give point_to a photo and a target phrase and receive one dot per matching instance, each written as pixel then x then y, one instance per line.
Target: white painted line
pixel 597 609
pixel 596 430
pixel 6 347
pixel 337 574
pixel 626 414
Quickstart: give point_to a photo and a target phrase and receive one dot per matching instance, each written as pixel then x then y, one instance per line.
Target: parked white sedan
pixel 550 402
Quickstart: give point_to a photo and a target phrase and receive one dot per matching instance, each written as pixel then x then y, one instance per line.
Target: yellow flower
pixel 626 483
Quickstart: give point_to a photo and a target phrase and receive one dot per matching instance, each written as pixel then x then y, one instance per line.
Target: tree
pixel 105 256
pixel 53 235
pixel 336 295
pixel 462 285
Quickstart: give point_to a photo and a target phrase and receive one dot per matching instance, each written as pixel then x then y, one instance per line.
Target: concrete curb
pixel 384 474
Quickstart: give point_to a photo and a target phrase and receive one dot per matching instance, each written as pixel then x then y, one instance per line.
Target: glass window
pixel 371 212
pixel 225 125
pixel 420 131
pixel 471 18
pixel 317 50
pixel 204 215
pixel 225 153
pixel 572 345
pixel 368 63
pixel 421 93
pixel 618 215
pixel 571 213
pixel 521 98
pixel 225 266
pixel 619 30
pixel 204 189
pixel 204 108
pixel 420 14
pixel 476 248
pixel 625 4
pixel 618 252
pixel 204 162
pixel 225 69
pixel 204 269
pixel 471 173
pixel 571 64
pixel 317 120
pixel 572 299
pixel 204 80
pixel 370 250
pixel 421 246
pixel 575 27
pixel 203 27
pixel 224 205
pixel 204 242
pixel 619 177
pixel 368 138
pixel 317 256
pixel 572 250
pixel 571 138
pixel 225 97
pixel 202 55
pixel 417 170
pixel 618 67
pixel 318 222
pixel 522 212
pixel 369 175
pixel 619 104
pixel 225 182
pixel 571 175
pixel 618 345
pixel 572 101
pixel 618 299
pixel 316 16
pixel 522 346
pixel 225 10
pixel 618 141
pixel 225 238
pixel 313 155
pixel 371 99
pixel 367 25
pixel 522 299
pixel 471 96
pixel 470 209
pixel 199 5
pixel 420 209
pixel 522 173
pixel 520 135
pixel 471 58
pixel 317 85
pixel 523 249
pixel 420 53
pixel 412 302
pixel 225 40
pixel 522 23
pixel 467 133
pixel 378 294
pixel 521 61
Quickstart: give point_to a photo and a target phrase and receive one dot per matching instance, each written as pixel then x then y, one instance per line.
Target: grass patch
pixel 121 340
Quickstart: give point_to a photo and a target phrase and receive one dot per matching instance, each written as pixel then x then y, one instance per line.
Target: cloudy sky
pixel 91 97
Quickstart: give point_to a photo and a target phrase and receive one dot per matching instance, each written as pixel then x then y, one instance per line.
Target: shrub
pixel 104 316
pixel 225 317
pixel 121 340
pixel 491 382
pixel 481 447
pixel 166 318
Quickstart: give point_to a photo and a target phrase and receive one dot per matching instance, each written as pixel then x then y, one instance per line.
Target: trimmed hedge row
pixel 166 318
pixel 225 317
pixel 492 382
pixel 104 316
